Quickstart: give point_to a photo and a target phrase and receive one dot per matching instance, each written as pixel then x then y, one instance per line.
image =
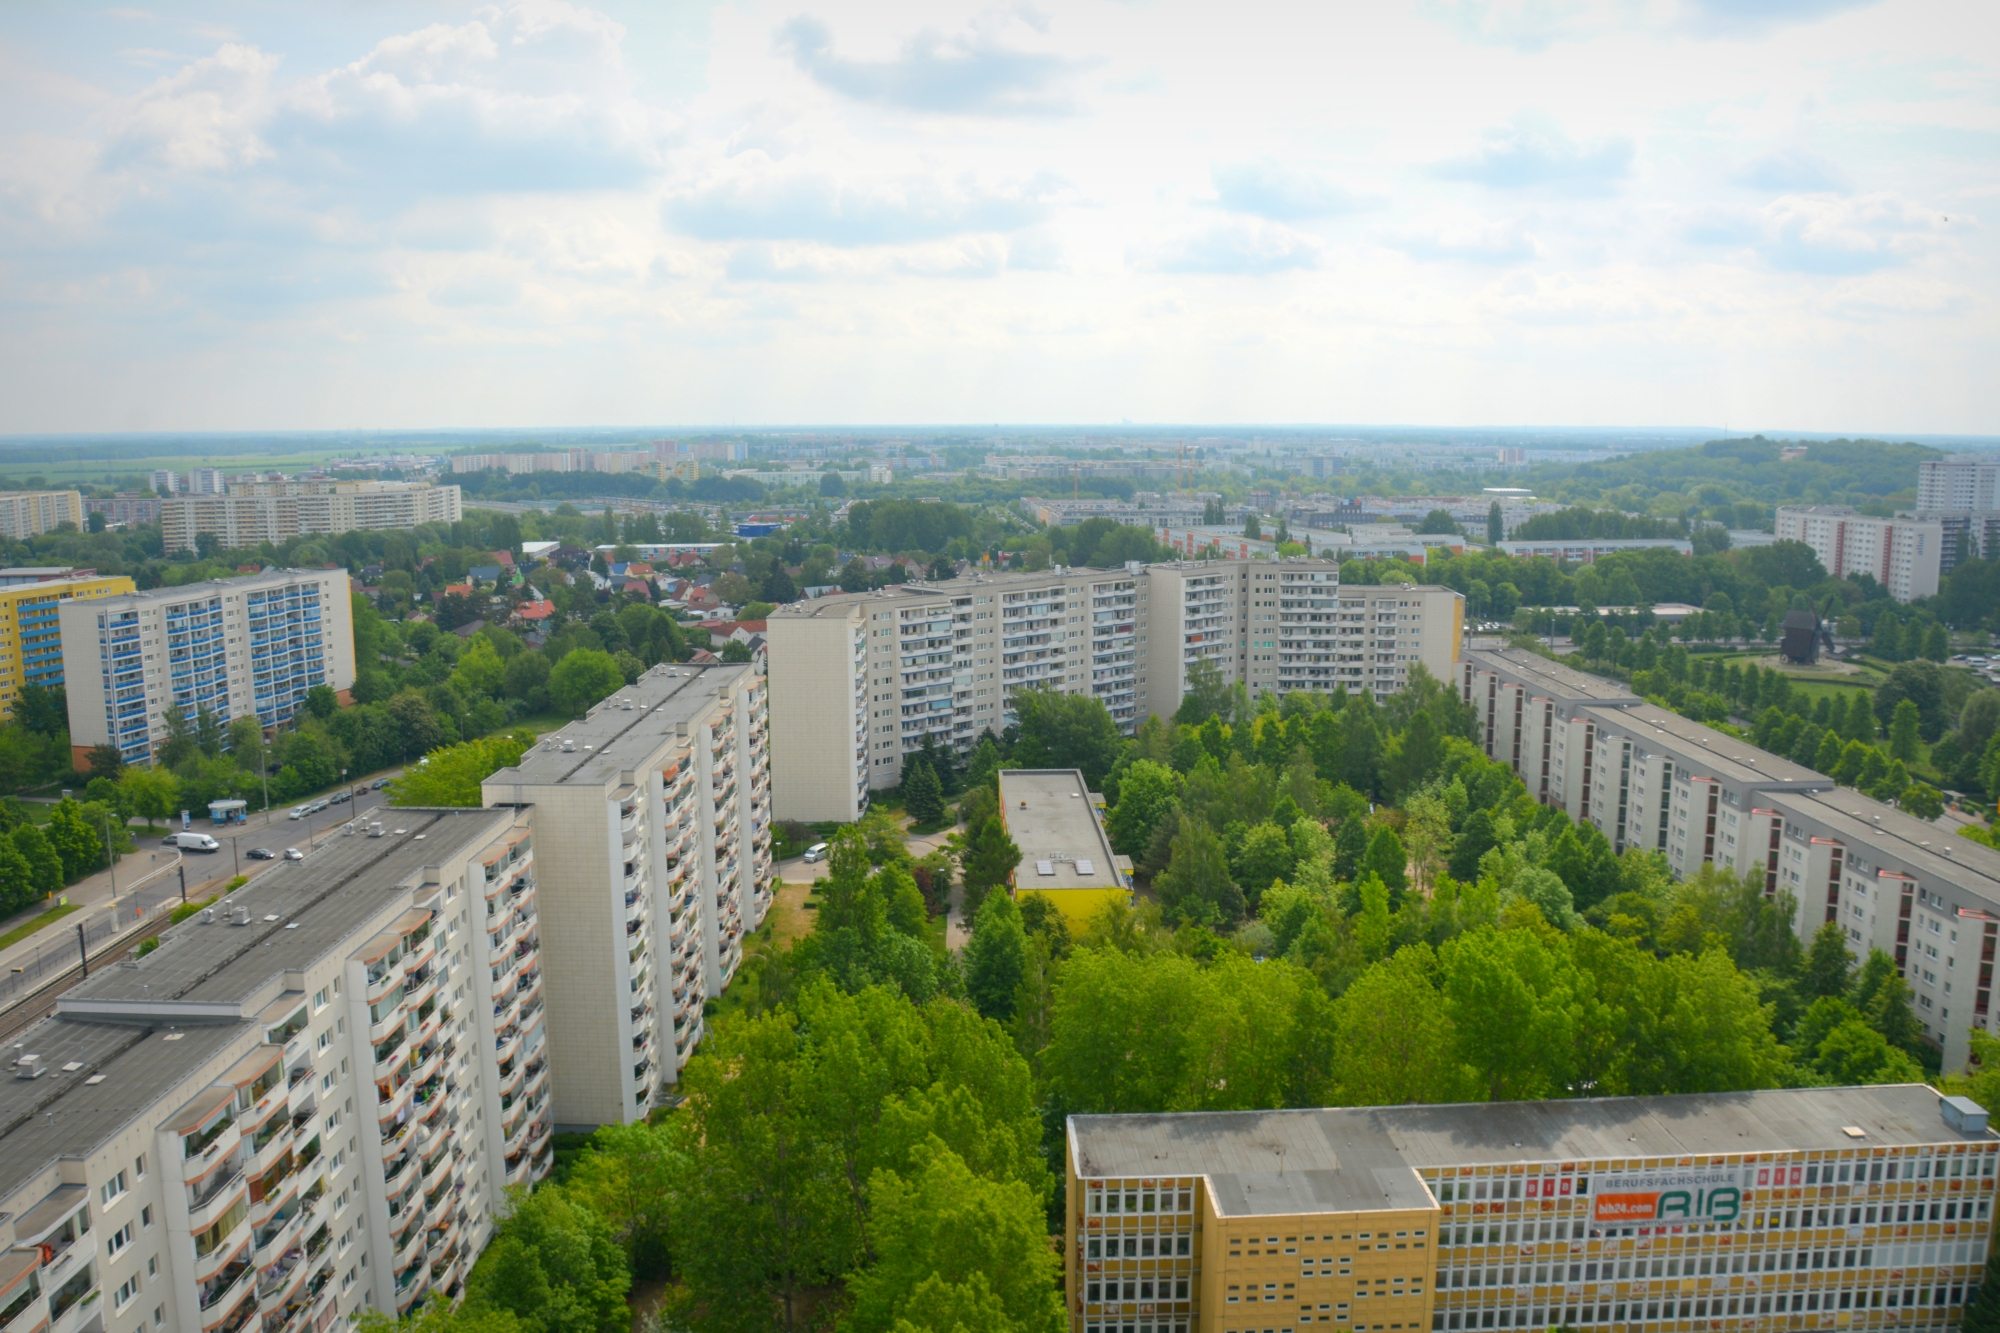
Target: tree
pixel 1252 528
pixel 581 678
pixel 80 846
pixel 44 865
pixel 1828 966
pixel 923 794
pixel 154 794
pixel 995 957
pixel 990 859
pixel 17 878
pixel 946 1238
pixel 1195 888
pixel 104 761
pixel 556 1266
pixel 1264 855
pixel 1146 791
pixel 632 1177
pixel 1511 999
pixel 1065 731
pixel 1394 1040
pixel 1386 859
pixel 451 775
pixel 1496 530
pixel 1903 740
pixel 1922 800
pixel 1206 695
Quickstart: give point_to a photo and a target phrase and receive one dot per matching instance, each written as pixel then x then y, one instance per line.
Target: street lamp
pixel 110 860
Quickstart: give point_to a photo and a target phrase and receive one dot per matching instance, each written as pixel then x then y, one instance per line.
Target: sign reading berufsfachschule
pixel 1667 1198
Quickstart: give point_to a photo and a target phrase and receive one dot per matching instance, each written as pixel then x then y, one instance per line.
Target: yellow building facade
pixel 31 640
pixel 1823 1208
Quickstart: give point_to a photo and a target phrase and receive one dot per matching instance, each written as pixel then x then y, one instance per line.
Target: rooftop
pixel 1276 1162
pixel 1933 849
pixel 300 911
pixel 188 591
pixel 621 734
pixel 120 1073
pixel 1051 818
pixel 1720 754
pixel 1550 677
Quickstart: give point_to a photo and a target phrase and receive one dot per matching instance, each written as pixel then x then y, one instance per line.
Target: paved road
pixel 150 879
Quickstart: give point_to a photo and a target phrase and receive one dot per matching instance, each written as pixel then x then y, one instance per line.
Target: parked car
pixel 341 797
pixel 294 854
pixel 299 812
pixel 816 852
pixel 261 854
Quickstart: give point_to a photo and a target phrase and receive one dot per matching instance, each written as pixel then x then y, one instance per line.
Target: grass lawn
pixel 787 921
pixel 48 918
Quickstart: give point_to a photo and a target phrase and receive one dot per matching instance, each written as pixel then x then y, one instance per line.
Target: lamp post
pixel 110 860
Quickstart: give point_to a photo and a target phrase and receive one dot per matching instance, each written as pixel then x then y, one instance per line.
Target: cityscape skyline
pixel 1465 213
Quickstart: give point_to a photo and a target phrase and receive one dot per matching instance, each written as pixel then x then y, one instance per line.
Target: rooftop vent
pixel 1963 1114
pixel 208 916
pixel 29 1066
pixel 239 916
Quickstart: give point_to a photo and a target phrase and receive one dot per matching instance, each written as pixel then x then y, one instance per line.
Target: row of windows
pixel 1136 1289
pixel 1137 1247
pixel 1849 1259
pixel 1630 1314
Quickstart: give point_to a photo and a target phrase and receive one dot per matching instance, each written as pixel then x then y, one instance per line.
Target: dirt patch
pixel 788 918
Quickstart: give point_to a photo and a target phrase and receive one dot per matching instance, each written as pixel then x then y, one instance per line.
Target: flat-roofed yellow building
pixel 1808 1208
pixel 1054 818
pixel 31 638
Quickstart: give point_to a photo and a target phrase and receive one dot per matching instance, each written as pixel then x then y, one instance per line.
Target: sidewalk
pixel 149 881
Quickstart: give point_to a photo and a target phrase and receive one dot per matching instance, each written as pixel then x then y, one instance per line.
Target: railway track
pixel 39 1003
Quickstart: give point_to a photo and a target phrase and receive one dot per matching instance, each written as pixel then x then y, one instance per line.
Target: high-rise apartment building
pixel 1652 780
pixel 245 647
pixel 860 680
pixel 207 481
pixel 653 818
pixel 31 646
pixel 1859 1208
pixel 1963 483
pixel 308 1101
pixel 1904 554
pixel 165 481
pixel 255 512
pixel 31 513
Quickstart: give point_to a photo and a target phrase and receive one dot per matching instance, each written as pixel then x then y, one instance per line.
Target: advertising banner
pixel 1667 1198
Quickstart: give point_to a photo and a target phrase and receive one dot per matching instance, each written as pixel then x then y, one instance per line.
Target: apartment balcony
pixel 212 1197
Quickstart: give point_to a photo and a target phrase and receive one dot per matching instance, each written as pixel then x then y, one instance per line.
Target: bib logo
pixel 1666 1197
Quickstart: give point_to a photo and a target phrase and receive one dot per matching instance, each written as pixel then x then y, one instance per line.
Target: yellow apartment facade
pixel 31 638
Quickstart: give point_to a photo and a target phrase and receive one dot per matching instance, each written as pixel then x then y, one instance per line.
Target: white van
pixel 298 812
pixel 196 842
pixel 816 852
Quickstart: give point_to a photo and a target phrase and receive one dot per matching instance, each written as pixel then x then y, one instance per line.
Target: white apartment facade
pixel 1903 554
pixel 244 647
pixel 251 513
pixel 1652 780
pixel 1961 484
pixel 858 681
pixel 307 1102
pixel 653 816
pixel 31 513
pixel 1585 550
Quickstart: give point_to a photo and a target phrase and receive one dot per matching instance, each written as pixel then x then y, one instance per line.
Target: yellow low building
pixel 31 640
pixel 1807 1208
pixel 1056 821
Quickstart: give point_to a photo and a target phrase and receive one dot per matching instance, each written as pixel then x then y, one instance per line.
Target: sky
pixel 1751 214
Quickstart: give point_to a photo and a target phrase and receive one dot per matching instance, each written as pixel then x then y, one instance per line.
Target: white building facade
pixel 654 816
pixel 1903 554
pixel 308 1101
pixel 859 681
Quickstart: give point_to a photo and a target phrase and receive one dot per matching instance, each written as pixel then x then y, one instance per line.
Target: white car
pixel 298 812
pixel 816 852
pixel 294 854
